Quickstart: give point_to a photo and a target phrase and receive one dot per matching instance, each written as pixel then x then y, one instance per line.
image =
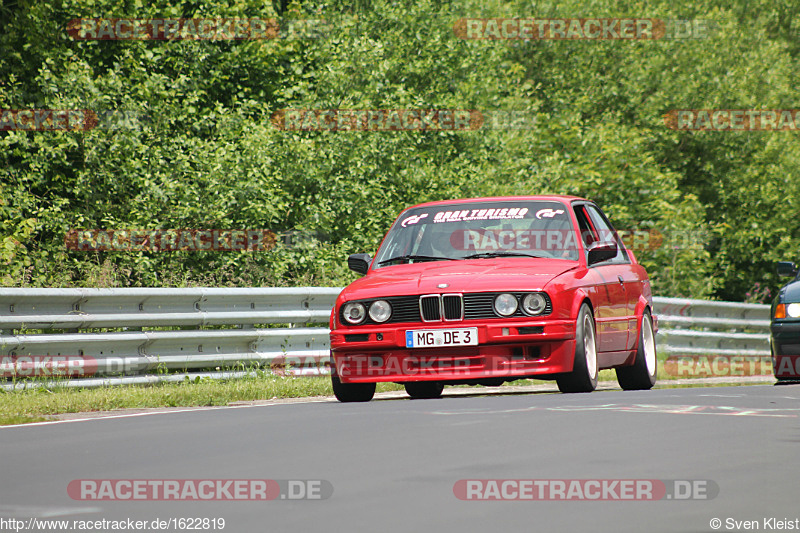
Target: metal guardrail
pixel 710 328
pixel 115 308
pixel 131 355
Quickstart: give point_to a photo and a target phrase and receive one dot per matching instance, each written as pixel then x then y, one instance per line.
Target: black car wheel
pixel 583 377
pixel 424 390
pixel 642 374
pixel 352 392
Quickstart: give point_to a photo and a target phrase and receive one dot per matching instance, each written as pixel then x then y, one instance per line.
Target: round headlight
pixel 380 311
pixel 793 310
pixel 505 304
pixel 354 312
pixel 534 303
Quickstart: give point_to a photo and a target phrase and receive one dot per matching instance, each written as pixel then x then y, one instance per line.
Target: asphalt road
pixel 393 464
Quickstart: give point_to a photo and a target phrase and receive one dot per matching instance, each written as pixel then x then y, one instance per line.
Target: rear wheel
pixel 583 377
pixel 642 374
pixel 352 392
pixel 424 390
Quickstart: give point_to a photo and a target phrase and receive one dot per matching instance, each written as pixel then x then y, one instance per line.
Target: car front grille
pixel 430 308
pixel 453 307
pixel 446 307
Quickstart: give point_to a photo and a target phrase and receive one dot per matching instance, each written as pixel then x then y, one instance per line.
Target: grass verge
pixel 34 405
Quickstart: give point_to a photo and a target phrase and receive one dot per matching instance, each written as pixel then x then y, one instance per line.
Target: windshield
pixel 480 230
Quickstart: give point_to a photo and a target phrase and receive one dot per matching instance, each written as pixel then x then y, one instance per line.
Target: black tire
pixel 583 377
pixel 424 390
pixel 352 392
pixel 642 374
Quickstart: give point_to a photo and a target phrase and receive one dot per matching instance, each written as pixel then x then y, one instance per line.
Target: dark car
pixel 487 290
pixel 785 326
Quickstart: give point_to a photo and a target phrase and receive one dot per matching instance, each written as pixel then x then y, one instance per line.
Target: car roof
pixel 548 198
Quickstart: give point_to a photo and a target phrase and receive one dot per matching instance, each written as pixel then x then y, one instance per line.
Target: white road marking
pixel 28 511
pixel 719 410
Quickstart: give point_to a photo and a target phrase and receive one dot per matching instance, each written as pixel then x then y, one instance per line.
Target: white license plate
pixel 435 338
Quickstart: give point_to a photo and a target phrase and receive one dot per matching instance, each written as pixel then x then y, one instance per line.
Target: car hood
pixel 791 292
pixel 480 275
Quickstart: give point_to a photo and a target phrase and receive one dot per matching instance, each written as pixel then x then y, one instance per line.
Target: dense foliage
pixel 202 152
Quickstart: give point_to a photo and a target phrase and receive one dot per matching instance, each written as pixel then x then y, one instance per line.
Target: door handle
pixel 621 280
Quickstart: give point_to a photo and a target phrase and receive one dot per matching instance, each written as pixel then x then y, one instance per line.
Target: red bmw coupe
pixel 488 290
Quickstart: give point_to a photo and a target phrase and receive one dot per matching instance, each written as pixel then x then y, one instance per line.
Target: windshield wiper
pixel 501 254
pixel 408 258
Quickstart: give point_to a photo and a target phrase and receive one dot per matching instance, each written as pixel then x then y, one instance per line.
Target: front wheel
pixel 642 374
pixel 424 390
pixel 583 377
pixel 352 392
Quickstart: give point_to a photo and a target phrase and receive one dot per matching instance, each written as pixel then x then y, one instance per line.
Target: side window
pixel 607 232
pixel 588 234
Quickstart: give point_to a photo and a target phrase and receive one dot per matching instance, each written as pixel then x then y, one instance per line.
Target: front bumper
pixel 785 342
pixel 505 351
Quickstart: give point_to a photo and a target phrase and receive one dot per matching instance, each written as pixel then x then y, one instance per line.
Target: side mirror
pixel 787 268
pixel 601 251
pixel 359 263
